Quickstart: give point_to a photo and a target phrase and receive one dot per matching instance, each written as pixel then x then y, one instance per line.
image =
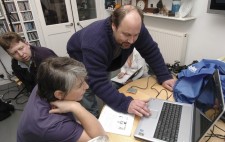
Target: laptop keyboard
pixel 169 121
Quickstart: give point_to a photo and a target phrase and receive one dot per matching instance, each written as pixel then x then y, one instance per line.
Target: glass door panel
pixel 86 9
pixel 54 11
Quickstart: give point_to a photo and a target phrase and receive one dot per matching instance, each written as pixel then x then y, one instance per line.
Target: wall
pixel 6 59
pixel 205 32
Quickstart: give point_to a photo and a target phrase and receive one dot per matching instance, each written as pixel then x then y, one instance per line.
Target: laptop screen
pixel 208 106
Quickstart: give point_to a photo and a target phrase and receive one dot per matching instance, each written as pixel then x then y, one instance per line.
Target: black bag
pixel 5 110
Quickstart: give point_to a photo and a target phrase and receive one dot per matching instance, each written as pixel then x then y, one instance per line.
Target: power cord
pixel 143 87
pixel 215 135
pixel 177 68
pixel 18 99
pixel 159 92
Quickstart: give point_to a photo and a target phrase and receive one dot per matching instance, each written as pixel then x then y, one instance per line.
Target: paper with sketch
pixel 126 76
pixel 116 122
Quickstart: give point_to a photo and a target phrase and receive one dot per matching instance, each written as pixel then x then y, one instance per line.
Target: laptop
pixel 193 122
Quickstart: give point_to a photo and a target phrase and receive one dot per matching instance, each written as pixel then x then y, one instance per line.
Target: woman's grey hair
pixel 119 14
pixel 58 73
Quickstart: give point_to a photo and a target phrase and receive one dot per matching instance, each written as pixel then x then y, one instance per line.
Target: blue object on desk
pixel 191 80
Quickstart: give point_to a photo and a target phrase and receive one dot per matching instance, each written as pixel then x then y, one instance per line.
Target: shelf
pixel 9 1
pixel 25 11
pixel 22 20
pixel 1 18
pixel 170 18
pixel 18 22
pixel 31 31
pixel 33 40
pixel 163 17
pixel 13 12
pixel 28 21
pixel 20 33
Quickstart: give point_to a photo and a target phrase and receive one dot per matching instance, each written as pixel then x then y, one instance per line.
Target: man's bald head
pixel 120 13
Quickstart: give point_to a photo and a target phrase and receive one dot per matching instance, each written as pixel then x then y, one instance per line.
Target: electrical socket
pixel 1 75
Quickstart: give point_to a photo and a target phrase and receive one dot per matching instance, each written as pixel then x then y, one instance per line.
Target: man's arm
pixel 149 50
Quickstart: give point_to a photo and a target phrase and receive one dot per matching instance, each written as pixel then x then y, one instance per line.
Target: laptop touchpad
pixel 154 113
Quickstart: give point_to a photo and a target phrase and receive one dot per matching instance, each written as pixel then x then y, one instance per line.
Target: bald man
pixel 105 45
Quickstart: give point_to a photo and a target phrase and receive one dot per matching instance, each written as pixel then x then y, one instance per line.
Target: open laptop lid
pixel 209 107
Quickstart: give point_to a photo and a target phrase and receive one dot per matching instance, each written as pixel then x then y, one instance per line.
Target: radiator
pixel 171 44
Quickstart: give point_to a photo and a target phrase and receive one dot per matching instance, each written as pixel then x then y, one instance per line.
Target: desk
pixel 152 93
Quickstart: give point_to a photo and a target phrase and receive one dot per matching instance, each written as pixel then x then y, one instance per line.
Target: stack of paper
pixel 116 122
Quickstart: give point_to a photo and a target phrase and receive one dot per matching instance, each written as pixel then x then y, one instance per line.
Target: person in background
pixel 25 58
pixel 105 45
pixel 53 111
pixel 133 63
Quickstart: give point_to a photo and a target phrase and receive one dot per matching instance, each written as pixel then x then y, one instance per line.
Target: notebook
pixel 193 122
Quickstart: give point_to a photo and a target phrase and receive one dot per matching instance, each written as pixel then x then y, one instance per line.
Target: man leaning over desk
pixel 105 45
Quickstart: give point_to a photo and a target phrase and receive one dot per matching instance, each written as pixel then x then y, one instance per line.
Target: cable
pixel 21 99
pixel 210 136
pixel 141 87
pixel 159 92
pixel 13 98
pixel 8 88
pixel 7 92
pixel 154 88
pixel 16 98
pixel 170 96
pixel 220 128
pixel 215 135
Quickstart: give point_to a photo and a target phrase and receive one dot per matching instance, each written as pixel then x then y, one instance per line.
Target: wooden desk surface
pixel 152 91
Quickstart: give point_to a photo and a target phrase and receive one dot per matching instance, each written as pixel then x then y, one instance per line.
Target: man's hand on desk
pixel 168 84
pixel 139 108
